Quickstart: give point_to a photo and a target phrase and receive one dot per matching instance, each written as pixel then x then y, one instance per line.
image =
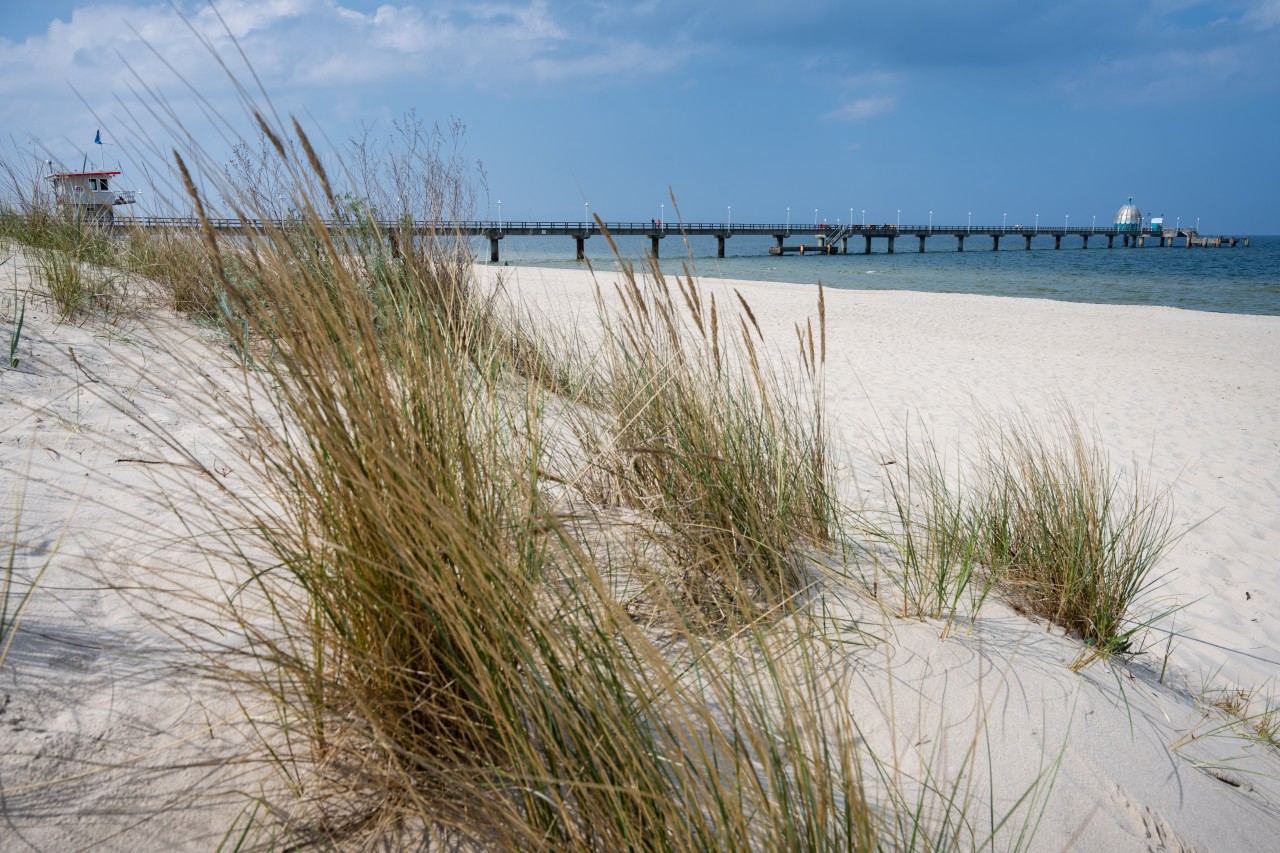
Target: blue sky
pixel 992 107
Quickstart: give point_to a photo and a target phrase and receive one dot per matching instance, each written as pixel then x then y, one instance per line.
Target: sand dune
pixel 108 740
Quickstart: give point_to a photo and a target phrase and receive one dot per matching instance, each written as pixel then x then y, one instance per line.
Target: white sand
pixel 1195 399
pixel 108 742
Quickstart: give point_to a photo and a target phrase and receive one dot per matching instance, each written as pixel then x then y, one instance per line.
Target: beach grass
pixel 437 619
pixel 1072 539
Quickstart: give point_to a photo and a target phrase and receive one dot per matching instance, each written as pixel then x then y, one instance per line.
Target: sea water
pixel 1233 280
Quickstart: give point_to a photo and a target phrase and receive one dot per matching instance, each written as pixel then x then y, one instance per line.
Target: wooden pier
pixel 826 240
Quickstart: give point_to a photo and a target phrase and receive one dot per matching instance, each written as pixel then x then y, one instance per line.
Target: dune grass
pixel 444 640
pixel 1073 540
pixel 437 625
pixel 683 422
pixel 1040 516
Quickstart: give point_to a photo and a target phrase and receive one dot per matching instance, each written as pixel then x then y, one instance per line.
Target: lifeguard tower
pixel 91 196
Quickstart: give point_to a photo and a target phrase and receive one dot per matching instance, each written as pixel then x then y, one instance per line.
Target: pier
pixel 823 239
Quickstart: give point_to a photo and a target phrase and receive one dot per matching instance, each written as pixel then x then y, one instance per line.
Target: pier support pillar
pixel 395 244
pixel 844 245
pixel 1028 236
pixel 653 243
pixel 995 242
pixel 960 240
pixel 1057 241
pixel 1084 239
pixel 867 249
pixel 582 254
pixel 891 244
pixel 719 245
pixel 779 238
pixel 922 242
pixel 493 250
pixel 1111 238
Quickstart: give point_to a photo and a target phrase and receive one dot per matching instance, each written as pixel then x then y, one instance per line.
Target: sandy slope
pixel 107 740
pixel 1195 399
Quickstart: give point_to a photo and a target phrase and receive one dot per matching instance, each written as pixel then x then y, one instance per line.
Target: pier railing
pixel 485 227
pixel 830 239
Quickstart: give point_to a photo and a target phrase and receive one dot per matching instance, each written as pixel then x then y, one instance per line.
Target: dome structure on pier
pixel 1128 217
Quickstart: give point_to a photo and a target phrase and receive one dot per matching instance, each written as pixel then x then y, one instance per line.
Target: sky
pixel 993 110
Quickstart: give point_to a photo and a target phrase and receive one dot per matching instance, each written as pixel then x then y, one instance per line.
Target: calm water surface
pixel 1237 281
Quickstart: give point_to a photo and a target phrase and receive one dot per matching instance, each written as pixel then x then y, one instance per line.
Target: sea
pixel 1228 280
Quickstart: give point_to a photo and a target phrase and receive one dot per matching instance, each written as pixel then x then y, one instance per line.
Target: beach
pixel 111 740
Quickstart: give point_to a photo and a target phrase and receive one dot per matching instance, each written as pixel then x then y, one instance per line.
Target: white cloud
pixel 864 108
pixel 1264 15
pixel 308 54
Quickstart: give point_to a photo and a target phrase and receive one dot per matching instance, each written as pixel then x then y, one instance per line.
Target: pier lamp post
pixel 729 221
pixel 499 214
pixel 1094 226
pixel 586 217
pixel 1177 222
pixel 864 219
pixel 931 220
pixel 1004 223
pixel 1197 224
pixel 788 220
pixel 970 228
pixel 1066 222
pixel 1037 223
pixel 851 217
pixel 815 217
pixel 662 215
pixel 899 225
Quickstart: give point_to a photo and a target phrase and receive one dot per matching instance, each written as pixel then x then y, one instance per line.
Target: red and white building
pixel 91 195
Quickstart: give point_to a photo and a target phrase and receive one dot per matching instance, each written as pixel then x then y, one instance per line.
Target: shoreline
pixel 1240 281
